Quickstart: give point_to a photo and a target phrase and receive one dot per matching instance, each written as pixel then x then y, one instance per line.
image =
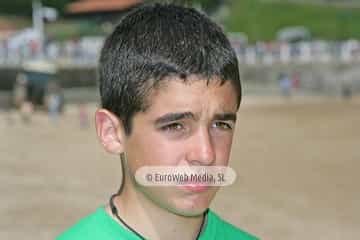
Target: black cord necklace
pixel 115 213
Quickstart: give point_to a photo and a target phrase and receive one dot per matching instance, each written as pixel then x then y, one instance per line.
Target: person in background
pixel 285 84
pixel 20 90
pixel 22 98
pixel 83 116
pixel 53 100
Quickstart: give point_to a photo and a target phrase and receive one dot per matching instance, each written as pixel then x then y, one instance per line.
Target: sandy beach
pixel 297 165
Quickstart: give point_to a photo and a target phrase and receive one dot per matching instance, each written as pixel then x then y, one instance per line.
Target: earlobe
pixel 110 131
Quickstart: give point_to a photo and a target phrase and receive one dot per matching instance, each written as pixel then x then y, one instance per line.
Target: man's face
pixel 189 124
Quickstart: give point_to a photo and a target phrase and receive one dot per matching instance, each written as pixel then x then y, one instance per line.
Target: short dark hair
pixel 158 41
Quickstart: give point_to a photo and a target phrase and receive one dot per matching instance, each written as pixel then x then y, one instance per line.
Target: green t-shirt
pixel 100 226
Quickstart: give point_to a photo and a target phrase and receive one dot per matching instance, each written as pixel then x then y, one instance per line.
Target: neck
pixel 148 219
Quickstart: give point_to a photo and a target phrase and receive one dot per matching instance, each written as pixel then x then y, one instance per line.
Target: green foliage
pixel 260 20
pixel 63 30
pixel 24 7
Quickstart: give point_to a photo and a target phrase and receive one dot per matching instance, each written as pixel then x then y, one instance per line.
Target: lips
pixel 195 187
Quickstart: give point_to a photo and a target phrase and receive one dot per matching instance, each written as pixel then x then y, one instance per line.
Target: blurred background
pixel 296 148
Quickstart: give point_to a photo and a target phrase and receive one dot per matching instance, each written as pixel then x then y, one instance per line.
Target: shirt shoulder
pixel 94 226
pixel 226 230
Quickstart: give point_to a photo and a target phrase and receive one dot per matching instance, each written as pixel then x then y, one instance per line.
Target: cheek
pixel 153 149
pixel 222 148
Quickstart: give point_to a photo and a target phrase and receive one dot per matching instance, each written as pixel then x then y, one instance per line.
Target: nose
pixel 202 150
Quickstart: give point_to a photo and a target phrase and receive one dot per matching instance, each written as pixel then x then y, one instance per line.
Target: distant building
pixel 100 10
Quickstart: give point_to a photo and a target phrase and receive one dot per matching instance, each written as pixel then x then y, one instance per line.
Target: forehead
pixel 196 95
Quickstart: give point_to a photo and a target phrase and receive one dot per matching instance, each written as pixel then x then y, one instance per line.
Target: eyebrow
pixel 170 117
pixel 225 117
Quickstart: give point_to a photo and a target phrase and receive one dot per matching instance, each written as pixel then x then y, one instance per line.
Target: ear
pixel 110 131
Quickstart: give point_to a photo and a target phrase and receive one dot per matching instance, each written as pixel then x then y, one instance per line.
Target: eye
pixel 222 125
pixel 173 127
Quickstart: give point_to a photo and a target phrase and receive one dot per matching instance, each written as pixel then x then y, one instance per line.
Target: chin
pixel 188 212
pixel 182 203
pixel 190 207
pixel 192 213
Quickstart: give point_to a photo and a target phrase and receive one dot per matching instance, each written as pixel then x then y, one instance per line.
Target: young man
pixel 170 91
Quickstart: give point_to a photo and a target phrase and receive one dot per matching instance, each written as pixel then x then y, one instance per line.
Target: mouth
pixel 195 187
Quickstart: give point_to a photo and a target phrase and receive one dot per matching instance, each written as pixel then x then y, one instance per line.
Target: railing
pixel 86 52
